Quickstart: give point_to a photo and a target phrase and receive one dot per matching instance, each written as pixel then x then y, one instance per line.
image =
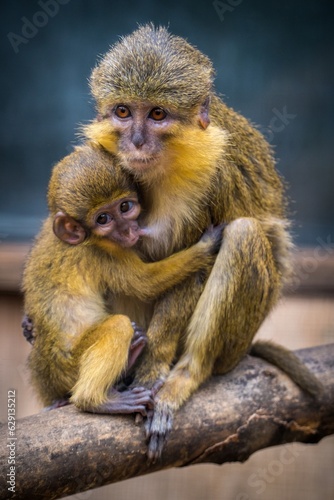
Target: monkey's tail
pixel 289 363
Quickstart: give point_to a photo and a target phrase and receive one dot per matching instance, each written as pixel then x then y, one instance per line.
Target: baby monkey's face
pixel 117 221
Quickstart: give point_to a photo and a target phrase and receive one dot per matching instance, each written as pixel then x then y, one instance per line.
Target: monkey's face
pixel 137 134
pixel 143 135
pixel 117 221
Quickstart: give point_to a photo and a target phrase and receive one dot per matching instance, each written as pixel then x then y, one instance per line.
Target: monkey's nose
pixel 138 139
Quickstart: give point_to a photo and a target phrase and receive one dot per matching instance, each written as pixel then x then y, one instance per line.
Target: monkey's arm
pixel 171 315
pixel 148 281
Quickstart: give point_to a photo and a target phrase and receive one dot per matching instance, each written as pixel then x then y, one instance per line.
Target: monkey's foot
pixel 138 342
pixel 137 330
pixel 158 425
pixel 136 400
pixel 28 329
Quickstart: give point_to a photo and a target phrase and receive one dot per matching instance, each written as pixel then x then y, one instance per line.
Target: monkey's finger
pixel 217 236
pixel 139 419
pixel 28 329
pixel 157 430
pixel 148 423
pixel 162 421
pixel 140 410
pixel 129 404
pixel 144 395
pixel 129 408
pixel 138 389
pixel 26 323
pixel 138 340
pixel 138 331
pixel 154 449
pixel 156 443
pixel 157 386
pixel 142 398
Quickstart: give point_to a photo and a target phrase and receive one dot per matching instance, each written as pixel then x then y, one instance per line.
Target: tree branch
pixel 65 451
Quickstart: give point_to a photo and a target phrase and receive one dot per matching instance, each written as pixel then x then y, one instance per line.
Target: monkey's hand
pixel 213 238
pixel 28 329
pixel 136 400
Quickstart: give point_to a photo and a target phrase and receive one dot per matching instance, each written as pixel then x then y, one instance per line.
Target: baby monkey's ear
pixel 68 229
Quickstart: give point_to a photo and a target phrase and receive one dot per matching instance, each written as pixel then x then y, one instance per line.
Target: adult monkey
pixel 198 162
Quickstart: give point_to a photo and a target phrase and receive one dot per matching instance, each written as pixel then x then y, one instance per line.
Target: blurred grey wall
pixel 274 63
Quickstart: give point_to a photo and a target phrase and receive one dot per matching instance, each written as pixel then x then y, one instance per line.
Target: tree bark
pixel 65 451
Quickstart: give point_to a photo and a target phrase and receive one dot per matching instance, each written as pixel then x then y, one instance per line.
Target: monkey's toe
pixel 158 426
pixel 58 403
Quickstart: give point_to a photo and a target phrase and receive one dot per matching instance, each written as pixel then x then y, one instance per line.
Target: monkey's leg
pixel 242 287
pixel 105 352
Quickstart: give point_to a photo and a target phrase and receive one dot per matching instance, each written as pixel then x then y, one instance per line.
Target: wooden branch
pixel 65 451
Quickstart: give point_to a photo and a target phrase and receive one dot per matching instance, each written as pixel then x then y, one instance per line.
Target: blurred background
pixel 274 64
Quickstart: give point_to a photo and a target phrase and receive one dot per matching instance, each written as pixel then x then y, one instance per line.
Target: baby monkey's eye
pixel 125 206
pixel 122 111
pixel 103 219
pixel 157 114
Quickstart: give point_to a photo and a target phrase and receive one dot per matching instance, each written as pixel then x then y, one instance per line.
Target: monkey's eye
pixel 103 219
pixel 158 114
pixel 126 206
pixel 122 111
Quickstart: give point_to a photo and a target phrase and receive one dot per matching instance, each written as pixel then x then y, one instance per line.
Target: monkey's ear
pixel 68 229
pixel 203 115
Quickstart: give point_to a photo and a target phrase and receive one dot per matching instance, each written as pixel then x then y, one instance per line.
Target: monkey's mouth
pixel 141 163
pixel 129 242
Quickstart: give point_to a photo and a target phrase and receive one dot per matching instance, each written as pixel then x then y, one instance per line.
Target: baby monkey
pixel 81 265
